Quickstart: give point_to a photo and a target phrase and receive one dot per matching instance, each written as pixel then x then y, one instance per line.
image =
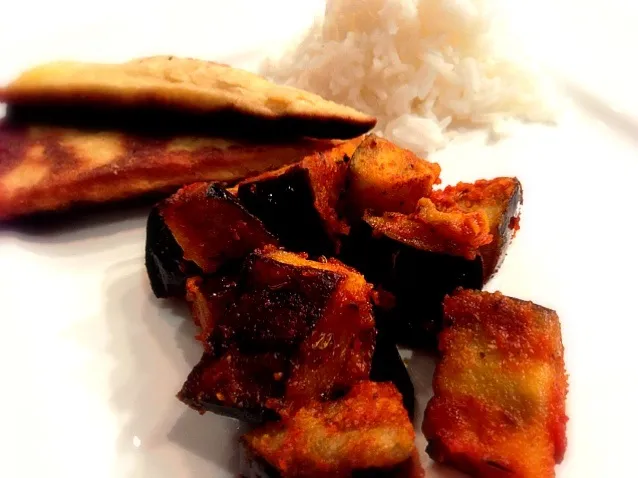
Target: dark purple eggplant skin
pixel 165 264
pixel 285 204
pixel 419 280
pixel 494 253
pixel 388 366
pixel 167 270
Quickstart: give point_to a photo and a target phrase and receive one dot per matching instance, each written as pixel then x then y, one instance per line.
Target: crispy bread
pixel 215 95
pixel 47 168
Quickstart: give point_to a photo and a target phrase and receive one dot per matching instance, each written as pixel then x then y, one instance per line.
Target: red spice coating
pixel 499 390
pixel 367 428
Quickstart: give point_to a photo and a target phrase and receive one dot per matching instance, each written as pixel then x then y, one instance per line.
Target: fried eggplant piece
pixel 385 178
pixel 236 384
pixel 455 238
pixel 169 89
pixel 365 433
pixel 44 168
pixel 199 229
pixel 315 316
pixel 301 203
pixel 499 390
pixel 500 198
pixel 208 298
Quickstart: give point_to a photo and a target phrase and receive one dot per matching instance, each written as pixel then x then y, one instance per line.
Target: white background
pixel 90 361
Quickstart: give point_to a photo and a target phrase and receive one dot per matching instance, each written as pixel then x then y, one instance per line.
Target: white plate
pixel 91 362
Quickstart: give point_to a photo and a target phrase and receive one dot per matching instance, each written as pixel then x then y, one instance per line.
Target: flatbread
pixel 213 93
pixel 50 168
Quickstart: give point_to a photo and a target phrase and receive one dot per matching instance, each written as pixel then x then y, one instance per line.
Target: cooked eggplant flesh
pixel 383 177
pixel 365 433
pixel 200 229
pixel 499 389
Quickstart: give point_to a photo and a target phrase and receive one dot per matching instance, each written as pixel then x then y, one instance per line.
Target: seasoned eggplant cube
pixel 388 366
pixel 367 431
pixel 500 198
pixel 316 316
pixel 208 298
pixel 236 384
pixel 201 228
pixel 499 389
pixel 385 178
pixel 279 303
pixel 300 203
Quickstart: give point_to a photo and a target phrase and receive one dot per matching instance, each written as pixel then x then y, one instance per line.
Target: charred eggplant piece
pixel 208 298
pixel 385 178
pixel 300 204
pixel 365 433
pixel 499 389
pixel 236 384
pixel 199 229
pixel 314 317
pixel 456 238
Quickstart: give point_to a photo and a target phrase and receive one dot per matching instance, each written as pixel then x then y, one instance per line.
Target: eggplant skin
pixel 494 253
pixel 302 204
pixel 388 366
pixel 285 204
pixel 418 280
pixel 200 229
pixel 164 259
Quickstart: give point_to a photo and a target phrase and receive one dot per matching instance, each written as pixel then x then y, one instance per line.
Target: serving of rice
pixel 425 68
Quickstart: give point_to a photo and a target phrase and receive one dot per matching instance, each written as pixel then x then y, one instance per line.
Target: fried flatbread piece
pixel 215 94
pixel 49 169
pixel 499 390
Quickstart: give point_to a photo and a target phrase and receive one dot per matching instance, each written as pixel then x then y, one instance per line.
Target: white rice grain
pixel 424 68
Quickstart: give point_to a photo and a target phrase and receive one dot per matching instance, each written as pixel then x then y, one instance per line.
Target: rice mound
pixel 425 68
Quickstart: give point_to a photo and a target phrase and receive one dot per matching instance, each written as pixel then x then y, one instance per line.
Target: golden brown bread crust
pixel 49 169
pixel 184 85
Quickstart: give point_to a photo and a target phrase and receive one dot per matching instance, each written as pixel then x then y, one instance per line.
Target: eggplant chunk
pixel 315 317
pixel 501 199
pixel 385 178
pixel 388 366
pixel 365 433
pixel 301 203
pixel 455 238
pixel 199 229
pixel 499 389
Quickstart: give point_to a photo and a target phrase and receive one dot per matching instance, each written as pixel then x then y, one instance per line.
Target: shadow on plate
pixel 92 228
pixel 152 346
